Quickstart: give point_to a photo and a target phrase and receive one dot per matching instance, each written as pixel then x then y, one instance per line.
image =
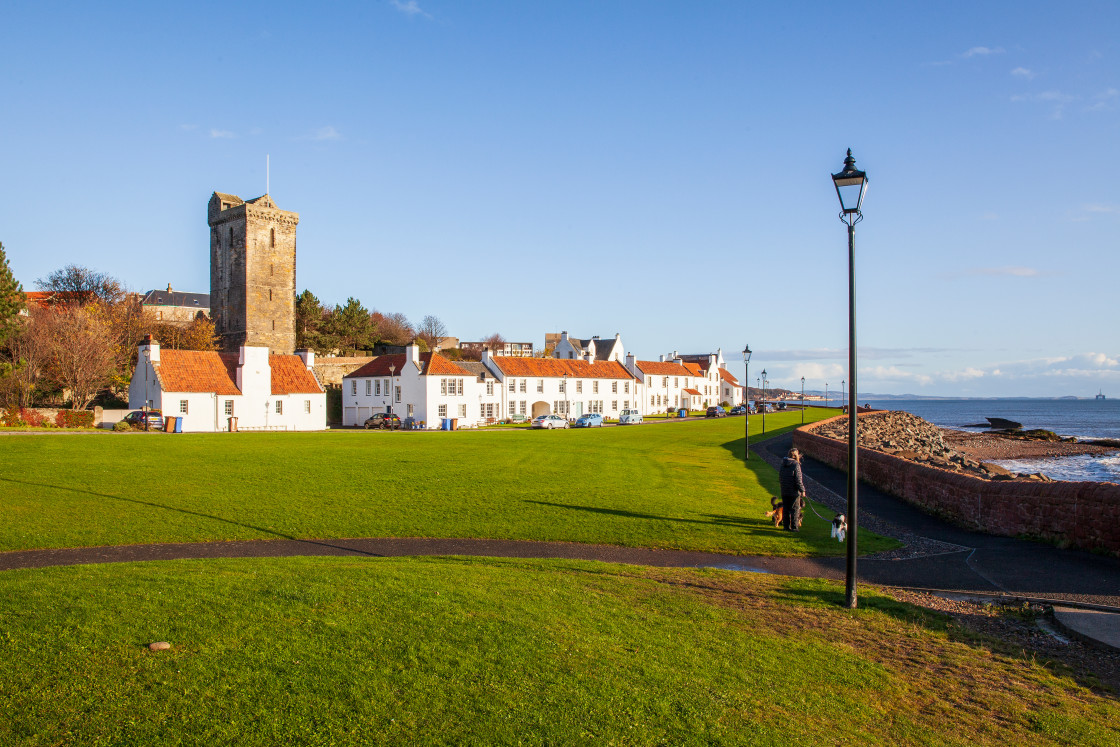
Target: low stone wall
pixel 330 371
pixel 1077 514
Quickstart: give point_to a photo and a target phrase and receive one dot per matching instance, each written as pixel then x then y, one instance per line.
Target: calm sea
pixel 1083 418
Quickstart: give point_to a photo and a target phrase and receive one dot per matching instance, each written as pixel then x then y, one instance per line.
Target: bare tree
pixel 83 285
pixel 80 360
pixel 495 343
pixel 26 353
pixel 431 331
pixel 393 329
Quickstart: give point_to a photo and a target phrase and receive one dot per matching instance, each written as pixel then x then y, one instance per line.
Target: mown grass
pixel 485 651
pixel 681 485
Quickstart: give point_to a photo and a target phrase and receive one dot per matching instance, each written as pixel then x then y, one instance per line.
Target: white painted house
pixel 565 387
pixel 592 349
pixel 206 388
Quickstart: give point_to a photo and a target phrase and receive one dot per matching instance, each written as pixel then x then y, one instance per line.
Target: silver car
pixel 549 421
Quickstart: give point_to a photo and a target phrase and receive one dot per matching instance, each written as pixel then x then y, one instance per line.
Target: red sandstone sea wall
pixel 1077 514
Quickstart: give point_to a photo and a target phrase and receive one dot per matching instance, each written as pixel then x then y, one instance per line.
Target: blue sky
pixel 655 169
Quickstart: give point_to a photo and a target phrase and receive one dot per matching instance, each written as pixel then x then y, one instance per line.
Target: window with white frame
pixel 651 400
pixel 279 407
pixel 579 387
pixel 397 394
pixel 665 382
pixel 524 385
pixel 594 387
pixel 626 387
pixel 614 387
pixel 490 387
pixel 676 383
pixel 563 386
pixel 614 405
pixel 625 404
pixel 462 411
pixel 443 411
pixel 385 386
pixel 377 387
pixel 540 385
pixel 354 387
pixel 676 403
pixel 443 387
pixel 513 385
pixel 411 410
pixel 183 406
pixel 229 407
pixel 369 387
pixel 307 406
pixel 461 388
pixel 649 381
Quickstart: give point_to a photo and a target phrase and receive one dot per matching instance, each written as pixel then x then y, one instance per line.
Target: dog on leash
pixel 776 515
pixel 840 527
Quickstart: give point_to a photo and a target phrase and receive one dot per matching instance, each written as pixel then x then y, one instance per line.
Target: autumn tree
pixel 12 299
pixel 392 329
pixel 83 285
pixel 78 357
pixel 26 353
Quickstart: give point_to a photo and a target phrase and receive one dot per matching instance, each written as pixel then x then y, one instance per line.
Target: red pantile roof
pixel 726 376
pixel 693 392
pixel 662 368
pixel 46 299
pixel 197 371
pixel 290 376
pixel 557 367
pixel 208 371
pixel 434 364
pixel 693 369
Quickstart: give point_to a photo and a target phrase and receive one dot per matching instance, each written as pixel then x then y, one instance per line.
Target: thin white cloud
pixel 216 133
pixel 410 8
pixel 982 51
pixel 1022 72
pixel 1104 101
pixel 1058 99
pixel 1008 271
pixel 1091 210
pixel 326 133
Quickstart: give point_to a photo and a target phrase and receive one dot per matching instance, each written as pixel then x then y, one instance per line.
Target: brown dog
pixel 777 514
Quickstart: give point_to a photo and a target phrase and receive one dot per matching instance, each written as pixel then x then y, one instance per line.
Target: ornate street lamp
pixel 802 400
pixel 851 186
pixel 392 386
pixel 764 400
pixel 746 403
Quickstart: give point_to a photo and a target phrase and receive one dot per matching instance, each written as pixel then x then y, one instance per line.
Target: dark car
pixel 739 410
pixel 384 420
pixel 781 405
pixel 136 419
pixel 715 412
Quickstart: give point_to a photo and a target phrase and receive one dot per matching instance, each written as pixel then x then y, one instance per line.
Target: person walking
pixel 793 490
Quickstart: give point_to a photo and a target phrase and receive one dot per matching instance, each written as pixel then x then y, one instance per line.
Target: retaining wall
pixel 1078 514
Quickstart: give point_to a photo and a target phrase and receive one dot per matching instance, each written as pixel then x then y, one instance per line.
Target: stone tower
pixel 252 273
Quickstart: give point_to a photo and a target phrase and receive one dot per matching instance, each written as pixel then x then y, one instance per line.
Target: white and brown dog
pixel 776 515
pixel 840 527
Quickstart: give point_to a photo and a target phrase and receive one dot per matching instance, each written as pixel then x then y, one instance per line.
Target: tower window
pixel 271 271
pixel 269 294
pixel 231 237
pixel 273 325
pixel 272 238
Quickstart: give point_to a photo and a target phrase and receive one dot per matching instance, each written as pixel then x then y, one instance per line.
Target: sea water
pixel 1080 418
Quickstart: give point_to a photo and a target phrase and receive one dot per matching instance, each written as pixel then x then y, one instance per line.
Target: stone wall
pixel 1077 514
pixel 330 371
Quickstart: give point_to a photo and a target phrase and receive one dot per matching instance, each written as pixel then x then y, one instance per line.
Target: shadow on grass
pixel 188 512
pixel 966 629
pixel 719 519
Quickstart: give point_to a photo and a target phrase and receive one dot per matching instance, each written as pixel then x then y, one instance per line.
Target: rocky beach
pixel 908 436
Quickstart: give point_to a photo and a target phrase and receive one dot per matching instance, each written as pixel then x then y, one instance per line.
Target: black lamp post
pixel 392 387
pixel 826 402
pixel 851 186
pixel 746 403
pixel 843 395
pixel 802 400
pixel 764 400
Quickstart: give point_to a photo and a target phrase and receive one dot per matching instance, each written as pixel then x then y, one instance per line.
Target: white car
pixel 549 421
pixel 630 417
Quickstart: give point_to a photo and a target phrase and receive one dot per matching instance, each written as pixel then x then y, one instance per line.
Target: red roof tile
pixel 197 371
pixel 693 392
pixel 434 365
pixel 693 369
pixel 290 376
pixel 662 368
pixel 557 367
pixel 726 376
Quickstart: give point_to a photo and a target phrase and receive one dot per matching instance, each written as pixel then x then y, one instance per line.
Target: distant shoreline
pixel 987 447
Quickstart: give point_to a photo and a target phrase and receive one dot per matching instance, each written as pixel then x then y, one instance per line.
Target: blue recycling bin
pixel 445 424
pixel 682 413
pixel 178 425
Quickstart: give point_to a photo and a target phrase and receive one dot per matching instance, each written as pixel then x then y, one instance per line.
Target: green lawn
pixel 680 485
pixel 483 651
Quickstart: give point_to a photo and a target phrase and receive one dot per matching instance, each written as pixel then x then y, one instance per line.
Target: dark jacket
pixel 790 478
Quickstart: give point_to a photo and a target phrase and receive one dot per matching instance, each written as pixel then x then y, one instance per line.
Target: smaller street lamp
pixel 802 400
pixel 843 395
pixel 567 410
pixel 746 403
pixel 392 385
pixel 764 400
pixel 827 402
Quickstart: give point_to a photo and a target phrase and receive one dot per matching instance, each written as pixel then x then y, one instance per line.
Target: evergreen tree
pixel 12 299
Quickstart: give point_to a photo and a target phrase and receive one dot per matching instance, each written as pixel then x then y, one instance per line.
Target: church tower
pixel 252 273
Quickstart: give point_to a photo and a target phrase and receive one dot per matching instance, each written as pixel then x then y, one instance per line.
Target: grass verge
pixel 680 485
pixel 485 651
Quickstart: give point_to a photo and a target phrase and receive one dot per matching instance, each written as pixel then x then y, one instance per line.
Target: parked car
pixel 781 405
pixel 384 420
pixel 715 411
pixel 630 417
pixel 136 419
pixel 549 421
pixel 738 410
pixel 590 420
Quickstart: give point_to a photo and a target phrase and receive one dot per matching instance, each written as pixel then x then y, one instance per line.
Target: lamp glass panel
pixel 850 191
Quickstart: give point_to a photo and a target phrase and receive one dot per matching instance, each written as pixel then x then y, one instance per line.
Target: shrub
pixel 33 418
pixel 120 426
pixel 74 419
pixel 11 417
